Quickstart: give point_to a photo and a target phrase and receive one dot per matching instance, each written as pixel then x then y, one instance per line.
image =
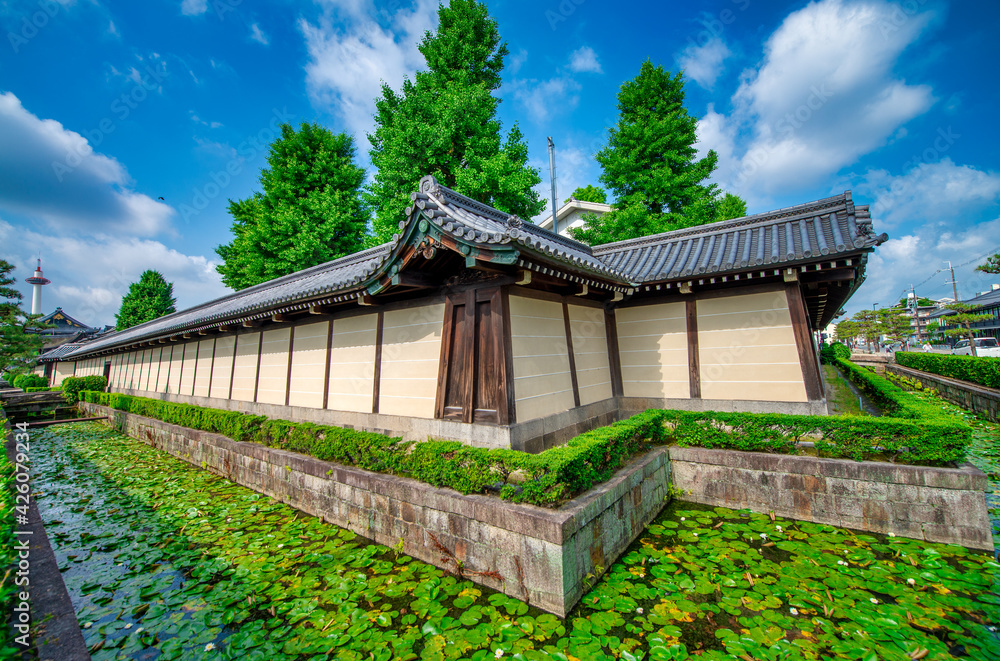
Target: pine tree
pixel 649 163
pixel 150 298
pixel 309 212
pixel 443 123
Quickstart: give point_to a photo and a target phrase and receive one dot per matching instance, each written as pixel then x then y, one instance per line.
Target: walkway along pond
pixel 166 561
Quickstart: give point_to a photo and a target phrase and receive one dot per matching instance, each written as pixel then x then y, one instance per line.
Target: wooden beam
pixel 224 329
pixel 280 318
pixel 414 279
pixel 614 357
pixel 584 290
pixel 320 309
pixel 694 364
pixel 803 341
pixel 187 336
pixel 469 359
pixel 525 278
pixel 367 300
pixel 203 331
pixel 251 323
pixel 288 374
pixel 509 415
pixel 378 360
pixel 572 357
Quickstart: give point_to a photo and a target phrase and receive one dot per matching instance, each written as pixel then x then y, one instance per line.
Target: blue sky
pixel 106 107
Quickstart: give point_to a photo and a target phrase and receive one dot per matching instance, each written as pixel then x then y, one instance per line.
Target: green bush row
pixel 840 437
pixel 24 381
pixel 563 472
pixel 835 350
pixel 72 386
pixel 45 389
pixel 982 370
pixel 542 479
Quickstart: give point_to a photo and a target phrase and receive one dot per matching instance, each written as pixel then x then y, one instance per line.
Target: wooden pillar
pixel 807 355
pixel 694 366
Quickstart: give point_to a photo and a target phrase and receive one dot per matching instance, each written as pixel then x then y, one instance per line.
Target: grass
pixel 839 396
pixel 165 560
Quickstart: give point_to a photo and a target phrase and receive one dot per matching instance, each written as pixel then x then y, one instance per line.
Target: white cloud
pixel 584 60
pixel 52 174
pixel 823 95
pixel 940 190
pixel 516 61
pixel 90 275
pixel 352 51
pixel 113 29
pixel 544 98
pixel 194 7
pixel 258 35
pixel 703 64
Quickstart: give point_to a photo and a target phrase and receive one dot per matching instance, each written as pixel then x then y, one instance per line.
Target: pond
pixel 165 561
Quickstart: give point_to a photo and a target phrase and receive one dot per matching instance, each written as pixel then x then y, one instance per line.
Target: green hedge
pixel 24 381
pixel 45 389
pixel 563 472
pixel 543 479
pixel 835 350
pixel 982 370
pixel 73 386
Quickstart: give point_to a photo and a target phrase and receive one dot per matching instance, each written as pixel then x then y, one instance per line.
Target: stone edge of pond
pixel 538 555
pixel 55 631
pixel 933 504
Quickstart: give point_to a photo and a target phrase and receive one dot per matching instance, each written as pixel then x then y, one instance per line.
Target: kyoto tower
pixel 37 280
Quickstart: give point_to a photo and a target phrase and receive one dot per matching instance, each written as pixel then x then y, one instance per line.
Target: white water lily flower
pixel 763 535
pixel 139 630
pixel 638 610
pixel 683 519
pixel 87 625
pixel 793 611
pixel 778 528
pixel 128 626
pixel 695 534
pixel 873 600
pixel 892 534
pixel 498 653
pixel 911 581
pixel 209 647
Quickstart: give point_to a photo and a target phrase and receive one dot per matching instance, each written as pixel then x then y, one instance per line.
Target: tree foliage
pixel 964 317
pixel 992 264
pixel 150 298
pixel 443 123
pixel 589 193
pixel 19 347
pixel 650 165
pixel 310 210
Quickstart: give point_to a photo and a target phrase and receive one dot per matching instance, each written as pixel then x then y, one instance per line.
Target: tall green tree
pixel 443 123
pixel 19 346
pixel 650 164
pixel 310 210
pixel 730 206
pixel 896 324
pixel 590 193
pixel 150 298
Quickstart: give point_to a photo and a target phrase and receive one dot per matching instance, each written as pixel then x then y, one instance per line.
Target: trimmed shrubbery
pixel 25 381
pixel 551 477
pixel 836 350
pixel 73 386
pixel 982 370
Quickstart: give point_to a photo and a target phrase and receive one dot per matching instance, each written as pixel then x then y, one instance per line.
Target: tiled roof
pixel 827 227
pixel 59 352
pixel 467 219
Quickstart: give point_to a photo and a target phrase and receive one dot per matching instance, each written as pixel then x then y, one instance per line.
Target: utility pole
pixel 954 285
pixel 916 311
pixel 552 178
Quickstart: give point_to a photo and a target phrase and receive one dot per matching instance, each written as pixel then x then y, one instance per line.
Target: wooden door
pixel 472 383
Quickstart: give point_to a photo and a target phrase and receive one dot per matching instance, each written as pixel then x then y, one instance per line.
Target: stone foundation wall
pixel 970 396
pixel 543 555
pixel 944 505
